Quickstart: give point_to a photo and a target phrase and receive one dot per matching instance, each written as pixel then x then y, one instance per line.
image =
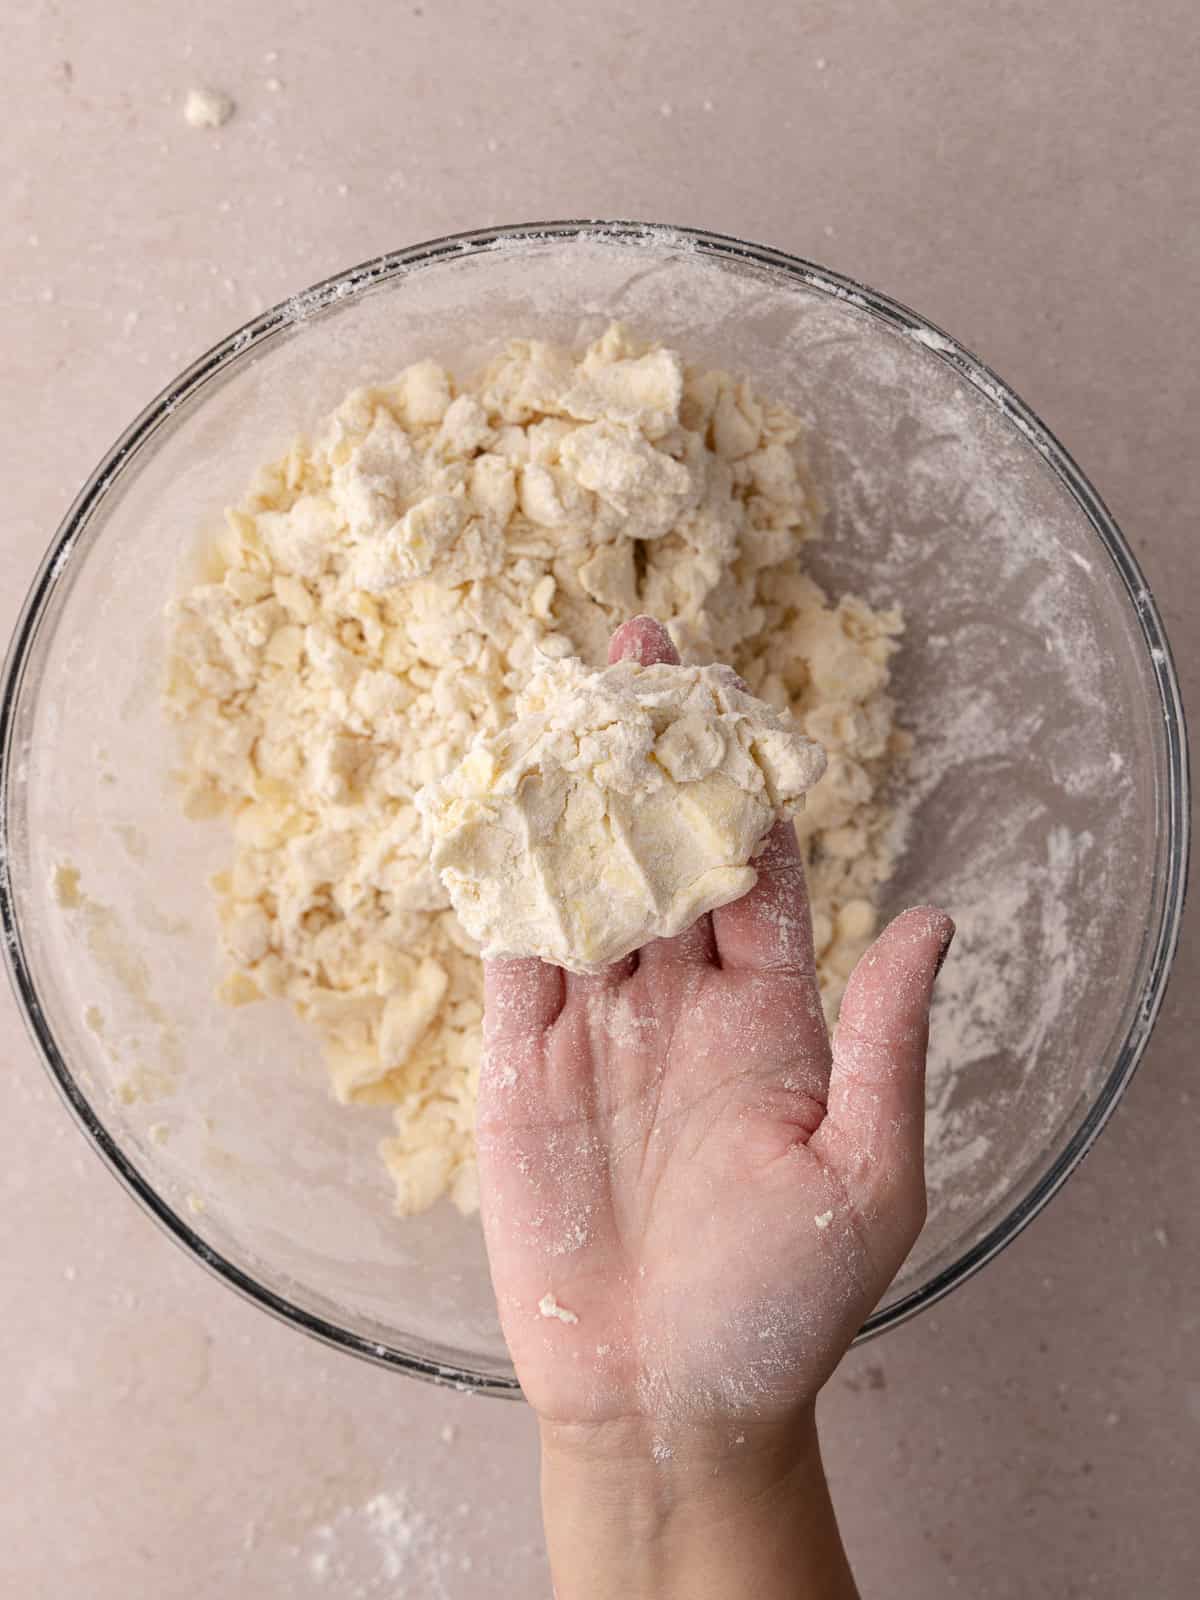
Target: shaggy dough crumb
pixel 207 108
pixel 549 1307
pixel 383 593
pixel 617 808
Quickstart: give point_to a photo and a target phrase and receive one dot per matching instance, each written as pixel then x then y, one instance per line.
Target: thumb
pixel 873 1134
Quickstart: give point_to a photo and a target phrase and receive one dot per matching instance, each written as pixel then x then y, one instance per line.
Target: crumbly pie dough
pixel 617 808
pixel 384 592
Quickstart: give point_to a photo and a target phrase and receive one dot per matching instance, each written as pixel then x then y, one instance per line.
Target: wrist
pixel 675 1464
pixel 638 1507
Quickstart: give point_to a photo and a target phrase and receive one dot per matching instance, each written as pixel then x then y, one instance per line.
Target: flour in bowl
pixel 383 594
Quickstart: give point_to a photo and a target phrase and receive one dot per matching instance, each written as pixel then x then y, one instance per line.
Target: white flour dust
pixel 1021 790
pixel 387 1547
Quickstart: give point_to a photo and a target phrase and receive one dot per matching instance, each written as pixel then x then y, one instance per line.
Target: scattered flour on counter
pixel 386 1548
pixel 383 593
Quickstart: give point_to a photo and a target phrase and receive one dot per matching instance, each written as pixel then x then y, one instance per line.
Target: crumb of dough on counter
pixel 207 108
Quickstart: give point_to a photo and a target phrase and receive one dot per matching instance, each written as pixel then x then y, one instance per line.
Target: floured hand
pixel 691 1202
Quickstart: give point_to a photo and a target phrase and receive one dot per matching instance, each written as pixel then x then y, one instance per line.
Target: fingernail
pixel 945 951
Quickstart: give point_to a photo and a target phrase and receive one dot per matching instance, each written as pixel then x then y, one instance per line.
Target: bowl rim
pixel 1173 818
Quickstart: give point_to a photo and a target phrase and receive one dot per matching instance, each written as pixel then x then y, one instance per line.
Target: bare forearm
pixel 685 1513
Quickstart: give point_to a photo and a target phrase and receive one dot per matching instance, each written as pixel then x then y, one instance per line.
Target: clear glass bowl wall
pixel 1046 803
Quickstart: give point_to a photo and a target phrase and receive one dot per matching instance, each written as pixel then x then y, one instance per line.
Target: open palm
pixel 691 1201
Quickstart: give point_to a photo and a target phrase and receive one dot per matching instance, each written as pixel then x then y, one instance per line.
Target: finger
pixel 645 640
pixel 521 998
pixel 694 947
pixel 769 929
pixel 874 1132
pixel 604 982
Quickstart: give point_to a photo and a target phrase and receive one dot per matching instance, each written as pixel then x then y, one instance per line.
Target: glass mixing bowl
pixel 1046 804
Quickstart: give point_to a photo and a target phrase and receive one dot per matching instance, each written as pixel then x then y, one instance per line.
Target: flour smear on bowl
pixel 384 592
